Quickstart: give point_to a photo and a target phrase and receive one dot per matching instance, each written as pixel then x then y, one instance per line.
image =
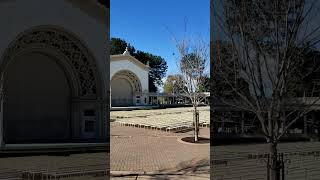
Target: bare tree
pixel 192 63
pixel 266 43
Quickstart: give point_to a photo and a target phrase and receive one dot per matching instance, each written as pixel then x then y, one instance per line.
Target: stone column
pixel 110 96
pixel 101 116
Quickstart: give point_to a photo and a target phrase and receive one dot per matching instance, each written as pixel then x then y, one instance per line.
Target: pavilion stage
pixel 161 106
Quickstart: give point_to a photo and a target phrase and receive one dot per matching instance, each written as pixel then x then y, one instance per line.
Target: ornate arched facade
pixel 125 86
pixel 84 105
pixel 131 77
pixel 78 61
pixel 129 81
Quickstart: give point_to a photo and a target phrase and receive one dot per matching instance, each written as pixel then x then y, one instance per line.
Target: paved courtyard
pixel 12 167
pixel 165 177
pixel 136 149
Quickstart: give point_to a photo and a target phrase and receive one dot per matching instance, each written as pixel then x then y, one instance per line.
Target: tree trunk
pixel 305 125
pixel 242 122
pixel 196 124
pixel 1 113
pixel 313 138
pixel 273 166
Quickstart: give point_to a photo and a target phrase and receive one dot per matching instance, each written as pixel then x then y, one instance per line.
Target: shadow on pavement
pixel 189 170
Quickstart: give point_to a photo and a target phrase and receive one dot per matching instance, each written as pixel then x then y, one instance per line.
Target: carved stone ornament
pixel 79 58
pixel 131 77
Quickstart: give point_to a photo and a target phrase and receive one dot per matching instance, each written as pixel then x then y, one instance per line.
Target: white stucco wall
pixel 142 74
pixel 57 13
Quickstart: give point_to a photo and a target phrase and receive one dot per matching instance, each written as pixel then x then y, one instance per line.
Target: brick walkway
pixel 143 150
pixel 49 163
pixel 165 177
pixel 302 161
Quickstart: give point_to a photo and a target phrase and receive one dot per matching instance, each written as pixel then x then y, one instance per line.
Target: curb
pixel 140 173
pixel 192 144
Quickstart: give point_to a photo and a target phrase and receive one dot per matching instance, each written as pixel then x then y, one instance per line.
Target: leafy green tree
pixel 158 68
pixel 105 3
pixel 168 87
pixel 173 84
pixel 118 46
pixel 205 86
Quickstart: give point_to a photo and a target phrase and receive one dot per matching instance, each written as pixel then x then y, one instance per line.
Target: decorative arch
pixel 131 77
pixel 55 40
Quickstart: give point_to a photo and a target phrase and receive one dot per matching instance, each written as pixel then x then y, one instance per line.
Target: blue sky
pixel 145 24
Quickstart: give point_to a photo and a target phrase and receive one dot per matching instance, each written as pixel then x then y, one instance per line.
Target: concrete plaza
pixel 156 154
pixel 78 166
pixel 230 162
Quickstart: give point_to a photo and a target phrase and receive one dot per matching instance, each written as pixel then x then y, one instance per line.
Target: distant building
pixel 232 120
pixel 129 81
pixel 130 85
